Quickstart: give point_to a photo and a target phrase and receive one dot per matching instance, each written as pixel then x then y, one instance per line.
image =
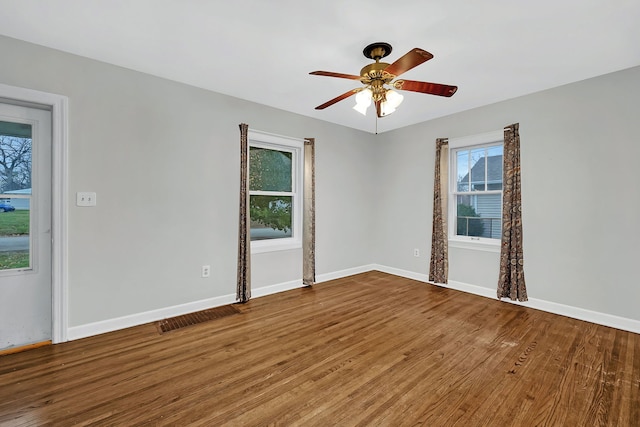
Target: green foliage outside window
pixel 270 170
pixel 270 211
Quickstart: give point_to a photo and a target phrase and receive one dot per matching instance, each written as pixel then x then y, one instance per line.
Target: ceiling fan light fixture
pixel 392 100
pixel 386 109
pixel 377 75
pixel 363 100
pixel 361 108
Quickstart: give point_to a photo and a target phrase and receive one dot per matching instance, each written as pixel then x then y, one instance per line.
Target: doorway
pixel 25 226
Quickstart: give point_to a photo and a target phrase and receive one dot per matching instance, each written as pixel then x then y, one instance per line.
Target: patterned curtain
pixel 511 280
pixel 439 268
pixel 243 291
pixel 309 216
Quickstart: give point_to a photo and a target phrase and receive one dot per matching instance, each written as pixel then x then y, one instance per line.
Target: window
pixel 15 195
pixel 475 189
pixel 275 192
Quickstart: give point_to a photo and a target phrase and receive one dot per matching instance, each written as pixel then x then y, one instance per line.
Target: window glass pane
pixel 269 170
pixel 271 216
pixel 462 173
pixel 494 168
pixel 479 215
pixel 478 163
pixel 15 195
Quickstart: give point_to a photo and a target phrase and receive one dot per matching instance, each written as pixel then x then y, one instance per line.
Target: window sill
pixel 259 247
pixel 476 245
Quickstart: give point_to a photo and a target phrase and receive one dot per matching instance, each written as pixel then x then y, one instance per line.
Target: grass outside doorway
pixel 15 223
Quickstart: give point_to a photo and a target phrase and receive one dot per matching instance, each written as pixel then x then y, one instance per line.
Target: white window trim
pixel 296 146
pixel 467 242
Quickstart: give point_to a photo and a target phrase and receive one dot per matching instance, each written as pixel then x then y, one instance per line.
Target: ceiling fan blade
pixel 332 74
pixel 411 59
pixel 337 99
pixel 425 87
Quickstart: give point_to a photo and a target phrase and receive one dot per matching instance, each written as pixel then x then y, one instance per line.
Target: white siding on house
pixel 14 199
pixel 489 206
pixel 19 204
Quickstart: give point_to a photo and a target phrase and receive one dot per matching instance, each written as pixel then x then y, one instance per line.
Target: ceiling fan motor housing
pixel 375 71
pixel 374 76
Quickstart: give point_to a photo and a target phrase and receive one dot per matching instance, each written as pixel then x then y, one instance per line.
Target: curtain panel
pixel 511 282
pixel 243 290
pixel 439 266
pixel 309 215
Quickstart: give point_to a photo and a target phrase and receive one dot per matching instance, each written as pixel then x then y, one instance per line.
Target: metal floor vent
pixel 185 320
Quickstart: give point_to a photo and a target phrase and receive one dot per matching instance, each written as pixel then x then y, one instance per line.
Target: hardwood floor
pixel 371 349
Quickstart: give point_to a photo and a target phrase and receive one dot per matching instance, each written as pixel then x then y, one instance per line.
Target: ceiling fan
pixel 375 76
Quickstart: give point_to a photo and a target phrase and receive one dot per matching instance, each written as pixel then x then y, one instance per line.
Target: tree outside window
pixel 15 193
pixel 270 193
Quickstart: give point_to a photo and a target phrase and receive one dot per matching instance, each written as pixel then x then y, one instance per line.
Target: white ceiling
pixel 262 50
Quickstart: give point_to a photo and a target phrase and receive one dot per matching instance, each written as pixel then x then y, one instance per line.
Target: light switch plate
pixel 85 198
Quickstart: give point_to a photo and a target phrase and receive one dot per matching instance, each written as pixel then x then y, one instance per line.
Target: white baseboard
pixel 274 289
pixel 604 319
pixel 344 273
pixel 109 325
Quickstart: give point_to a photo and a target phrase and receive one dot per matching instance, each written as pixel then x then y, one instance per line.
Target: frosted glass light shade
pixel 393 99
pixel 363 100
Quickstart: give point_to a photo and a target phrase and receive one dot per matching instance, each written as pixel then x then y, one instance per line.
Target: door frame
pixel 59 106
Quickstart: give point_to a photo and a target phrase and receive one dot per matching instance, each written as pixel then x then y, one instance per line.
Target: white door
pixel 25 226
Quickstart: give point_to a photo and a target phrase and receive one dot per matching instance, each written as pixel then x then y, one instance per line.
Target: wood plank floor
pixel 367 350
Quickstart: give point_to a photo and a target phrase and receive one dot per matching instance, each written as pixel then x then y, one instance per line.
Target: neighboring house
pixel 20 203
pixel 489 205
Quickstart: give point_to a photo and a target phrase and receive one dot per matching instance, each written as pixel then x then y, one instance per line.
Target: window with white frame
pixel 475 189
pixel 275 191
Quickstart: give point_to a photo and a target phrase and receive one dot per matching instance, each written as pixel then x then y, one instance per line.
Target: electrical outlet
pixel 206 270
pixel 416 252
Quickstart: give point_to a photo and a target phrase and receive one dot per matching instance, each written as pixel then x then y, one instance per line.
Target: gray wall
pixel 147 145
pixel 580 193
pixel 163 159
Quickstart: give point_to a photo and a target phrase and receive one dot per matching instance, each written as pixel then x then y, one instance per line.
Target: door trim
pixel 59 106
